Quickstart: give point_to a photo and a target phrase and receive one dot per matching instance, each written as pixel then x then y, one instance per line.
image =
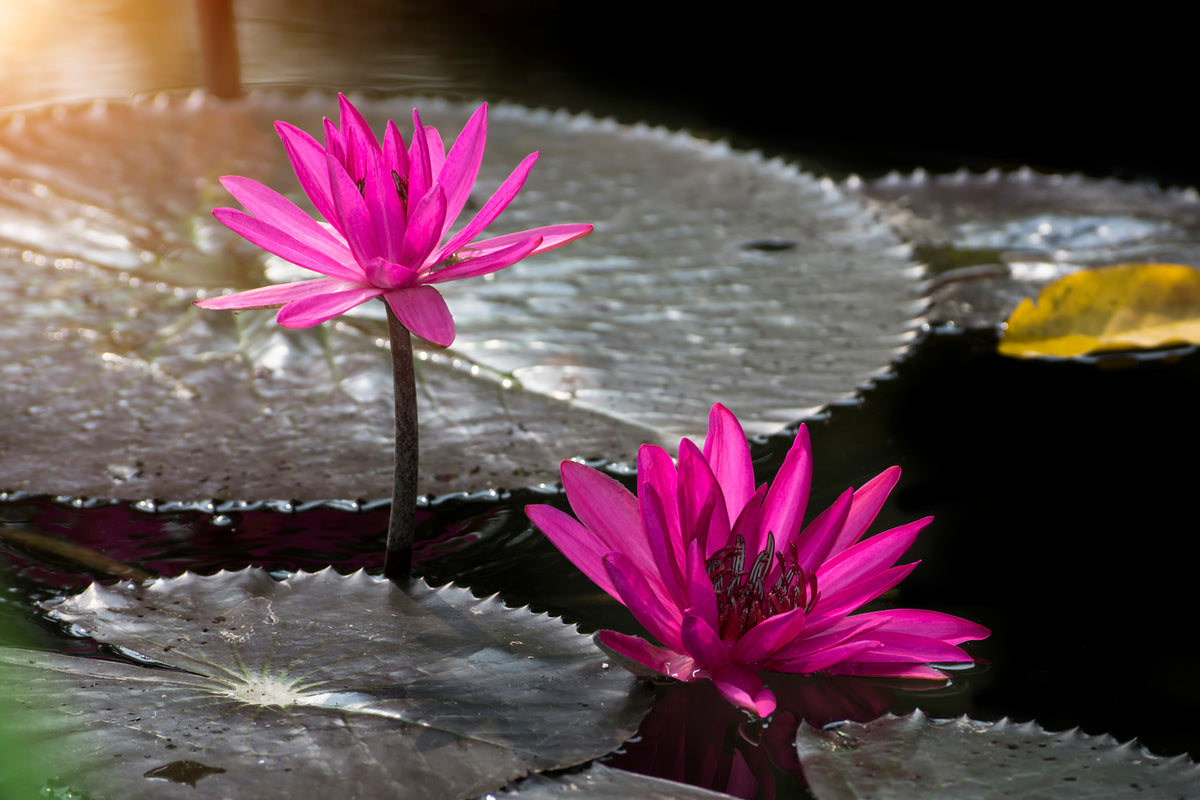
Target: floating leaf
pixel 1119 307
pixel 709 272
pixel 915 758
pixel 992 240
pixel 320 683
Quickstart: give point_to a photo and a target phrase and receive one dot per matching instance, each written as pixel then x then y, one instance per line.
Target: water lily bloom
pixel 389 211
pixel 728 581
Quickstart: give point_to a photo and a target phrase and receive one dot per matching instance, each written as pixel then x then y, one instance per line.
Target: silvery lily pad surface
pixel 898 758
pixel 712 274
pixel 996 238
pixel 320 684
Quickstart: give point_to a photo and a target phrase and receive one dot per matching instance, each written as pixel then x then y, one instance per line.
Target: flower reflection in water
pixel 693 736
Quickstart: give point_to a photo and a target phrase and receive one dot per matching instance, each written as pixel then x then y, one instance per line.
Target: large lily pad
pixel 915 758
pixel 320 683
pixel 994 239
pixel 712 274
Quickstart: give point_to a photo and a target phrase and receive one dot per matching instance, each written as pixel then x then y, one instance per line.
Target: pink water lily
pixel 389 211
pixel 728 581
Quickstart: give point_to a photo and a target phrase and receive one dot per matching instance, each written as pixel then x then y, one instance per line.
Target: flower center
pixel 744 598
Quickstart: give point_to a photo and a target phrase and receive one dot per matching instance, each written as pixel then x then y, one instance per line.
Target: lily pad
pixel 898 758
pixel 320 683
pixel 994 239
pixel 710 272
pixel 1120 307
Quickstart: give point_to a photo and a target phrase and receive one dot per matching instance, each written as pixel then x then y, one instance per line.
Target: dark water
pixel 1061 491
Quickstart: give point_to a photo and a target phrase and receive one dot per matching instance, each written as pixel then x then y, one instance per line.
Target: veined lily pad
pixel 898 758
pixel 320 683
pixel 711 274
pixel 993 240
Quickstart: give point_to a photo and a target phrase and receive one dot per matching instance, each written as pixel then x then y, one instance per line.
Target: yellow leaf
pixel 1122 307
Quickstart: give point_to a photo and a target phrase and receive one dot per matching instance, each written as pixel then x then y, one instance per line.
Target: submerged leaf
pixel 321 683
pixel 1119 307
pixel 708 268
pixel 915 758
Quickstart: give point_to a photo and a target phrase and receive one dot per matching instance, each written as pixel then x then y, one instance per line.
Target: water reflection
pixel 73 49
pixel 693 735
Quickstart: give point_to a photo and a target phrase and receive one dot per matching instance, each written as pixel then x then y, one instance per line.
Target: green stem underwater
pixel 397 561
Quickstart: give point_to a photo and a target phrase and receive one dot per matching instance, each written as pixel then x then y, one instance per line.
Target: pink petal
pixel 458 173
pixel 423 311
pixel 386 211
pixel 352 218
pixel 933 624
pixel 395 153
pixel 420 173
pixel 437 151
pixel 668 662
pixel 287 246
pixel 308 159
pixel 491 209
pixel 823 660
pixel 834 605
pixel 701 598
pixel 492 262
pixel 655 468
pixel 273 296
pixel 815 542
pixel 867 502
pixel 648 606
pixel 611 513
pixel 868 557
pixel 273 208
pixel 424 230
pixel 703 643
pixel 787 499
pixel 744 689
pixel 702 514
pixel 728 455
pixel 916 671
pixel 748 525
pixel 552 236
pixel 899 647
pixel 844 630
pixel 389 275
pixel 335 145
pixel 577 543
pixel 757 645
pixel 361 145
pixel 309 311
pixel 665 548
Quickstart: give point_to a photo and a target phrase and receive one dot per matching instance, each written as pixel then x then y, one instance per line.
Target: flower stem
pixel 397 560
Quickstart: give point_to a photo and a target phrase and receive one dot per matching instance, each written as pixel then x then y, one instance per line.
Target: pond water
pixel 1059 489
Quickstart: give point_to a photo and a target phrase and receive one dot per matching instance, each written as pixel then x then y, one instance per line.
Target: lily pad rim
pixel 918 716
pixel 1025 174
pixel 48 605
